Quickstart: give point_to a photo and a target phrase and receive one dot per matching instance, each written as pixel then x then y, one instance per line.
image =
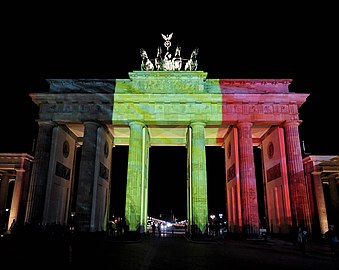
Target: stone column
pixel 249 202
pixel 135 190
pixel 74 183
pixel 3 193
pixel 320 201
pixel 16 198
pixel 199 178
pixel 87 168
pixel 144 185
pixel 334 198
pixel 189 179
pixel 37 190
pixel 300 209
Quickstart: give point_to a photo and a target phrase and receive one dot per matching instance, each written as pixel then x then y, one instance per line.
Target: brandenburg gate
pixel 165 106
pixel 172 108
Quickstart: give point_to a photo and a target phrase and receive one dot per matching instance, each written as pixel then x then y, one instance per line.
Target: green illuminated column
pixel 199 178
pixel 145 162
pixel 137 177
pixel 189 178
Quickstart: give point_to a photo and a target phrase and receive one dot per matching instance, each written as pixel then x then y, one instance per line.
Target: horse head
pixel 158 61
pixel 177 60
pixel 143 54
pixel 194 53
pixel 146 64
pixel 192 63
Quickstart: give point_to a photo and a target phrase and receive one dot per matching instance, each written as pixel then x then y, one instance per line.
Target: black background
pixel 249 41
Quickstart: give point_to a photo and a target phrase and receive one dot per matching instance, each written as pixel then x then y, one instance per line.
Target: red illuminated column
pixel 84 202
pixel 298 191
pixel 248 180
pixel 37 190
pixel 320 201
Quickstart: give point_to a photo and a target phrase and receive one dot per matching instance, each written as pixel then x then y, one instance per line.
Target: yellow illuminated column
pixel 199 178
pixel 137 177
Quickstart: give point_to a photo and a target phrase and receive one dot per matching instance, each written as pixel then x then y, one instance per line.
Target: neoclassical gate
pixel 172 108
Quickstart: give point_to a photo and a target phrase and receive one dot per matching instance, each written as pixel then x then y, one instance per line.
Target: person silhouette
pixel 302 239
pixel 153 229
pixel 333 237
pixel 13 226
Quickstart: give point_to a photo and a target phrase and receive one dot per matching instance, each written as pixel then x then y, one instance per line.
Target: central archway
pixel 167 182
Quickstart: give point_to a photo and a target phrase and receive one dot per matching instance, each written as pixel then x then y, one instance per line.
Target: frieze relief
pixel 198 107
pixel 71 108
pixel 167 86
pixel 260 108
pixel 267 109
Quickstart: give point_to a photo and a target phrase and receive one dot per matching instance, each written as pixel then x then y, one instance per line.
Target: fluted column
pixel 249 202
pixel 37 190
pixel 136 190
pixel 320 201
pixel 298 191
pixel 87 167
pixel 199 177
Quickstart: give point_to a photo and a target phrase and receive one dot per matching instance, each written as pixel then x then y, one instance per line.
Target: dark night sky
pixel 233 42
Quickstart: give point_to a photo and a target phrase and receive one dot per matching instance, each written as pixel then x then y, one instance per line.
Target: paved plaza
pixel 166 252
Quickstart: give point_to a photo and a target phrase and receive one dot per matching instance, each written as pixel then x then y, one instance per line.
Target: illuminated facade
pixel 322 177
pixel 15 172
pixel 168 108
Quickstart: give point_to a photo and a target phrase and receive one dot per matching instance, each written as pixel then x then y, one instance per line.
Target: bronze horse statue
pixel 192 63
pixel 158 61
pixel 177 60
pixel 146 64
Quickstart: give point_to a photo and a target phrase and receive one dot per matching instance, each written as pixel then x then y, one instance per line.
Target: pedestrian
pixel 13 226
pixel 153 229
pixel 332 236
pixel 159 228
pixel 302 239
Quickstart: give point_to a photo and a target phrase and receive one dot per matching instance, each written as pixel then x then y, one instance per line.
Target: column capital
pixel 47 123
pixel 244 124
pixel 136 123
pixel 291 123
pixel 198 124
pixel 90 122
